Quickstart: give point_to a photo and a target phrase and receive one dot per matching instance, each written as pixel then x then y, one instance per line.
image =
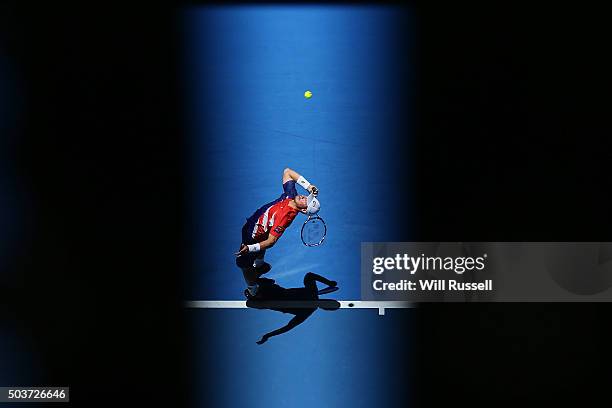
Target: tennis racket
pixel 314 231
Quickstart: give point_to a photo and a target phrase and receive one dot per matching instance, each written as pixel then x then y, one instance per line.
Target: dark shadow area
pixel 301 302
pixel 91 173
pixel 510 147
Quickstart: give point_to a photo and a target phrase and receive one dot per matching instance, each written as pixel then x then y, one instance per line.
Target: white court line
pixel 344 304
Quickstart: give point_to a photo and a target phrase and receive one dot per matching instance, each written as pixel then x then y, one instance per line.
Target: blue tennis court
pixel 246 71
pixel 338 359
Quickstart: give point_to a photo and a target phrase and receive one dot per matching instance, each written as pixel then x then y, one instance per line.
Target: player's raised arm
pixel 290 174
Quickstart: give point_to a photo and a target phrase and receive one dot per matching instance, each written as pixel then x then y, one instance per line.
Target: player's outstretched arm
pixel 268 243
pixel 298 319
pixel 290 174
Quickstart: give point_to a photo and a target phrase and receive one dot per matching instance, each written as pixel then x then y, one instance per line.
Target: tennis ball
pixel 307 94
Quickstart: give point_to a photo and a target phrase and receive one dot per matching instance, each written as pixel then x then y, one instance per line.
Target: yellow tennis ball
pixel 307 94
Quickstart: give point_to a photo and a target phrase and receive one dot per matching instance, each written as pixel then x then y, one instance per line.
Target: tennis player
pixel 269 222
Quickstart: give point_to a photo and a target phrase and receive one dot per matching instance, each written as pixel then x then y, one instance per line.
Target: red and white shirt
pixel 274 217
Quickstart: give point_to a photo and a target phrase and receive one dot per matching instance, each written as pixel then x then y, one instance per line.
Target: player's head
pixel 309 205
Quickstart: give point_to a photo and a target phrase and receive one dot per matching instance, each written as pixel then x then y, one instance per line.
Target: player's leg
pixel 260 265
pixel 246 262
pixel 258 257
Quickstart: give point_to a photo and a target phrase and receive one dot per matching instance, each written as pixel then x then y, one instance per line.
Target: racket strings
pixel 314 231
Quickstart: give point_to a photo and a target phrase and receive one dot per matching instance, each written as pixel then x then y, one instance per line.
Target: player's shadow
pixel 301 302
